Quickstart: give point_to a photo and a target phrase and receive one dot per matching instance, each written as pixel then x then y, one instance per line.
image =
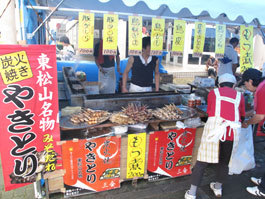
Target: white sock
pixel 193 190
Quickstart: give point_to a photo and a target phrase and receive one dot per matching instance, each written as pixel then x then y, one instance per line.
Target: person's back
pixel 224 92
pixel 229 62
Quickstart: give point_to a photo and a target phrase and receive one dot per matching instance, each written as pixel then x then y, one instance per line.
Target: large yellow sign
pixel 157 34
pixel 199 39
pixel 135 35
pixel 178 37
pixel 86 33
pixel 220 33
pixel 246 47
pixel 15 67
pixel 136 155
pixel 110 34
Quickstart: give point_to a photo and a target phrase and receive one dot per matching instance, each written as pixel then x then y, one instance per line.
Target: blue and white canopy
pixel 227 11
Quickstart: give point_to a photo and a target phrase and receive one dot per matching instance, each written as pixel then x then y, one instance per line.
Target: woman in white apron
pixel 220 135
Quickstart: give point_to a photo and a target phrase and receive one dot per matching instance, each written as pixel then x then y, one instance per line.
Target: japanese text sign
pixel 220 33
pixel 86 33
pixel 136 155
pixel 91 165
pixel 170 153
pixel 199 39
pixel 157 34
pixel 15 67
pixel 246 47
pixel 110 34
pixel 178 37
pixel 29 109
pixel 135 35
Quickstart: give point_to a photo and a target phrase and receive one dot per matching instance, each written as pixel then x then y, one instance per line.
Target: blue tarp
pixel 91 69
pixel 31 23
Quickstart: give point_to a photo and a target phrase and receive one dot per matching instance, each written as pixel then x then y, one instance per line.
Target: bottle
pixel 191 101
pixel 198 101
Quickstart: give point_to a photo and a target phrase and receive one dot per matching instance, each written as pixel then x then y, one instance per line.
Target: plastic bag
pixel 243 158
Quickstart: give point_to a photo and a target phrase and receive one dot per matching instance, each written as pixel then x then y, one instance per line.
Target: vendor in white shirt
pixel 229 63
pixel 143 67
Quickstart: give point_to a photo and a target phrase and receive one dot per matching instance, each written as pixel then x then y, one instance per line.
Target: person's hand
pixel 245 124
pixel 102 70
pixel 124 90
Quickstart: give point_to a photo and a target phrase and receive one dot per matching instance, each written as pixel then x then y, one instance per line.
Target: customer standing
pixel 254 82
pixel 220 135
pixel 143 67
pixel 68 52
pixel 229 63
pixel 106 67
pixel 212 66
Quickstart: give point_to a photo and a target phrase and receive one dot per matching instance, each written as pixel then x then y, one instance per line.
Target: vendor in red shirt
pixel 226 109
pixel 254 82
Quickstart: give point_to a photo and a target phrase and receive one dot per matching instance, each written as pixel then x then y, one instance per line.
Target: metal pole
pixel 30 35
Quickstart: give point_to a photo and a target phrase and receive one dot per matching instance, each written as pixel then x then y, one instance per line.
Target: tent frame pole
pixel 31 35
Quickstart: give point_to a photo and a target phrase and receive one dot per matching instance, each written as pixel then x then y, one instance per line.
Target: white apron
pixel 135 88
pixel 215 130
pixel 107 81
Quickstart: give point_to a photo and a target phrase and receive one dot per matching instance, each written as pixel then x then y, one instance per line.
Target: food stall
pixel 108 139
pixel 124 119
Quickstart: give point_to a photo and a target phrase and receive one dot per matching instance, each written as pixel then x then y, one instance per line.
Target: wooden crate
pixel 55 181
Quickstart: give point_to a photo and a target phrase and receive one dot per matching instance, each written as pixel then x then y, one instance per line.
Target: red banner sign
pixel 29 113
pixel 91 165
pixel 170 153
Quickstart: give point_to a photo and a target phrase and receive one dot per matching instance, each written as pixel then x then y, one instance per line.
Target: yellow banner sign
pixel 199 39
pixel 86 33
pixel 135 35
pixel 136 155
pixel 157 34
pixel 246 47
pixel 15 67
pixel 178 38
pixel 220 33
pixel 110 34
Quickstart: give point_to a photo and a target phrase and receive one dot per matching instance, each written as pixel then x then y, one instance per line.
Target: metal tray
pixel 202 108
pixel 66 123
pixel 187 113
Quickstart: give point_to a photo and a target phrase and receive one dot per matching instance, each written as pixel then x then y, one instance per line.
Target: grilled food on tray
pixel 121 118
pixel 138 113
pixel 168 112
pixel 89 116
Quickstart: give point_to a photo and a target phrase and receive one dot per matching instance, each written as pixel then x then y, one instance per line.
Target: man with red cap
pixel 220 135
pixel 254 82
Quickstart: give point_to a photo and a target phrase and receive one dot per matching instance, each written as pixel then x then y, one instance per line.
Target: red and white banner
pixel 170 153
pixel 29 113
pixel 91 165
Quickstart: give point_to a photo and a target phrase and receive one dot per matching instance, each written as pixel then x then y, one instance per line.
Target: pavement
pixel 174 188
